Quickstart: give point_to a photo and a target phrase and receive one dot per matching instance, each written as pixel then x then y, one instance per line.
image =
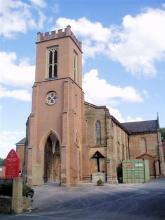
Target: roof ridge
pixel 138 121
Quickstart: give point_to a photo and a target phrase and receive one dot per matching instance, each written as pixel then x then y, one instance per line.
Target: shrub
pixel 100 182
pixel 28 191
pixel 6 189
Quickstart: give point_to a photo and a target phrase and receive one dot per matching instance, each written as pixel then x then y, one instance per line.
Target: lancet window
pixel 53 62
pixel 98 132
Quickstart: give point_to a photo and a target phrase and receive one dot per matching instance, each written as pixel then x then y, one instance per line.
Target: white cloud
pixel 8 139
pixel 18 17
pixel 15 72
pixel 130 119
pixel 137 44
pixel 120 117
pixel 100 92
pixel 19 94
pixel 93 34
pixel 85 28
pixel 140 42
pixel 39 3
pixel 116 113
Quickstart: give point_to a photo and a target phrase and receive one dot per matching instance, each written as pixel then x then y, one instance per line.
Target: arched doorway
pixel 52 160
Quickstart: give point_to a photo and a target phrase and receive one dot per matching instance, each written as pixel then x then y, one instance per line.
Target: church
pixel 67 139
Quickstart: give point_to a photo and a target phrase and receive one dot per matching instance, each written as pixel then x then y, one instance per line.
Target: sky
pixel 123 57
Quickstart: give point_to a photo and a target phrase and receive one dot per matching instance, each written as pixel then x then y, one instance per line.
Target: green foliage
pixel 2 162
pixel 6 188
pixel 162 130
pixel 100 182
pixel 28 191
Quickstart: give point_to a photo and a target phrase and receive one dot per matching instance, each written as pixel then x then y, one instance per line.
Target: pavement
pixel 91 202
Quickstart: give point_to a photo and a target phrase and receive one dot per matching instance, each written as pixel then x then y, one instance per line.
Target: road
pixel 90 202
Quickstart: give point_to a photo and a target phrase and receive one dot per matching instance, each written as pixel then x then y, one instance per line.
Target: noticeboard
pixel 12 164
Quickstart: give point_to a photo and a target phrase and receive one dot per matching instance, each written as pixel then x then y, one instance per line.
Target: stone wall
pixel 118 148
pixel 20 149
pixel 2 172
pixel 5 204
pixel 143 143
pixel 92 115
pixel 120 143
pixel 147 146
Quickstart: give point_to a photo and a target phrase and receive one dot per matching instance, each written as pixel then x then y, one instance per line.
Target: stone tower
pixel 54 131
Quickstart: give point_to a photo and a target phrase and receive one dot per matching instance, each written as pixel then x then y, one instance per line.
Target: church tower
pixel 54 133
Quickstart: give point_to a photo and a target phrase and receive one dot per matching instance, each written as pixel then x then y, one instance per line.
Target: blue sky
pixel 123 59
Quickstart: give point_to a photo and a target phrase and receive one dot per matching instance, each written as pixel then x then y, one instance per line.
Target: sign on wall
pixel 12 164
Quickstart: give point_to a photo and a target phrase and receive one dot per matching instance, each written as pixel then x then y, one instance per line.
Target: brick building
pixel 68 139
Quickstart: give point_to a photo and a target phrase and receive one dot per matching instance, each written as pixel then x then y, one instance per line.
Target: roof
pixel 141 126
pixel 22 141
pixel 118 123
pixel 95 106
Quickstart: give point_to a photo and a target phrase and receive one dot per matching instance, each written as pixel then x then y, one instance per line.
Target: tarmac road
pixel 90 202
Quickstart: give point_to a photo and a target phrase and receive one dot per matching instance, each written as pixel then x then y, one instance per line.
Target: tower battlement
pixel 58 34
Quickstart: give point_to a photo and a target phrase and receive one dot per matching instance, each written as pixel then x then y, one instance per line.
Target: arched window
pixel 52 62
pixel 98 133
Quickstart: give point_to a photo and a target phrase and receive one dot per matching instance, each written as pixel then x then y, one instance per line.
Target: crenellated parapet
pixel 58 34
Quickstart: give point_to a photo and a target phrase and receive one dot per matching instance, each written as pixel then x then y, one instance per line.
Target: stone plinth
pixel 97 176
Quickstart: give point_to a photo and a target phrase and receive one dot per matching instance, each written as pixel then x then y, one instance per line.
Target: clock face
pixel 51 98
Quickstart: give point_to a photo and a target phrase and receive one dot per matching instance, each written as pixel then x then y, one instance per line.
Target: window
pixel 52 62
pixel 75 66
pixel 98 133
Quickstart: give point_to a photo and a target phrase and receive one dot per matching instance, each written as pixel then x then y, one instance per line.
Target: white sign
pixel 138 164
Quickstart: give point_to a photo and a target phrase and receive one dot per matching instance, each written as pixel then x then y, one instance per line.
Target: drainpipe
pixel 158 151
pixel 128 148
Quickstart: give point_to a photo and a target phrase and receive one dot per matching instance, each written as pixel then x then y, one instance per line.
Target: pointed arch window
pixel 52 62
pixel 98 132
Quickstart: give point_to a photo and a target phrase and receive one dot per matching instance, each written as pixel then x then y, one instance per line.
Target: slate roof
pixel 141 126
pixel 22 141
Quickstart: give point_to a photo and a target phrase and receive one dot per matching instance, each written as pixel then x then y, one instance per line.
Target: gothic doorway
pixel 52 160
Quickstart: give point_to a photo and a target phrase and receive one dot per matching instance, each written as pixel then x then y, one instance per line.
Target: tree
pixel 2 162
pixel 162 130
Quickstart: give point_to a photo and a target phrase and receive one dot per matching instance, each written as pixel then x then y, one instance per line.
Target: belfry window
pixel 75 66
pixel 52 62
pixel 98 133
